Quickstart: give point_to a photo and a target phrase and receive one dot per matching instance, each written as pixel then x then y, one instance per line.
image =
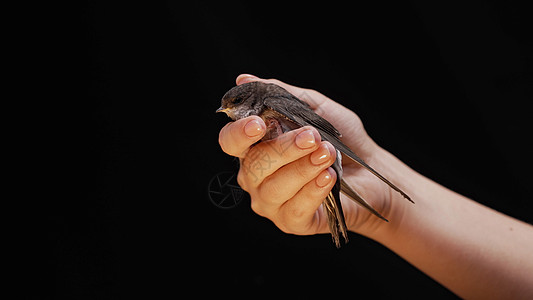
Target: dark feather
pixel 282 112
pixel 303 115
pixel 348 191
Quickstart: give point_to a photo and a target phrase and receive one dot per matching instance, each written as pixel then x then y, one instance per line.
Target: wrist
pixel 394 206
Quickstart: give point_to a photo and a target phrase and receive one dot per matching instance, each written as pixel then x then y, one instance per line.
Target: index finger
pixel 236 137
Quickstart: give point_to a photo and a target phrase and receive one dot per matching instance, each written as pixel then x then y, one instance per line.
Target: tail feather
pixel 348 191
pixel 361 162
pixel 336 222
pixel 348 152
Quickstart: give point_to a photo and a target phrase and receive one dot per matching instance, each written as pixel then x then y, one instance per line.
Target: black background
pixel 445 87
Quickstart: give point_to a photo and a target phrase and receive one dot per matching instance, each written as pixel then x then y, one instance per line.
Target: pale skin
pixel 472 250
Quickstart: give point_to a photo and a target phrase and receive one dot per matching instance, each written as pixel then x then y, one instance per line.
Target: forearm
pixel 471 249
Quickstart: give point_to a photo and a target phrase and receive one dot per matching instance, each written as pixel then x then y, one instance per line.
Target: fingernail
pixel 306 139
pixel 253 128
pixel 321 155
pixel 244 78
pixel 325 177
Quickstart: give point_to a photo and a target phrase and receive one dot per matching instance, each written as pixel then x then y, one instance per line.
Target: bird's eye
pixel 237 100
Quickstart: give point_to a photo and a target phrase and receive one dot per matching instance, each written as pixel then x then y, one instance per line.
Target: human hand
pixel 289 177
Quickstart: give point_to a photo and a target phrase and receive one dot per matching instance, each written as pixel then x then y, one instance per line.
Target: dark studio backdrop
pixel 445 87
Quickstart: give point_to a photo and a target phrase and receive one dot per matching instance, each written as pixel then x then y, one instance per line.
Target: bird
pixel 282 111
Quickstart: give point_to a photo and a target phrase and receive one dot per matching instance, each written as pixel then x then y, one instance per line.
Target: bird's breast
pixel 276 124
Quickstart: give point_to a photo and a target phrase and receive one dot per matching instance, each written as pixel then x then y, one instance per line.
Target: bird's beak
pixel 222 109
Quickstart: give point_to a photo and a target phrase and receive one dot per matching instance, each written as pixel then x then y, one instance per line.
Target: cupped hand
pixel 288 177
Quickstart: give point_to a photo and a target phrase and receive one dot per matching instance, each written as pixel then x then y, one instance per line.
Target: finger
pixel 299 214
pixel 265 158
pixel 236 137
pixel 345 120
pixel 289 179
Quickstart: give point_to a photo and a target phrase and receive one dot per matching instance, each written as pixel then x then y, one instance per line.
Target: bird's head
pixel 243 100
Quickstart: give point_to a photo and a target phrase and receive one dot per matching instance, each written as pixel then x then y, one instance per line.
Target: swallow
pixel 281 111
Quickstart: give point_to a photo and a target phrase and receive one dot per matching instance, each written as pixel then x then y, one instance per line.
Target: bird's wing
pixel 348 152
pixel 348 191
pixel 301 113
